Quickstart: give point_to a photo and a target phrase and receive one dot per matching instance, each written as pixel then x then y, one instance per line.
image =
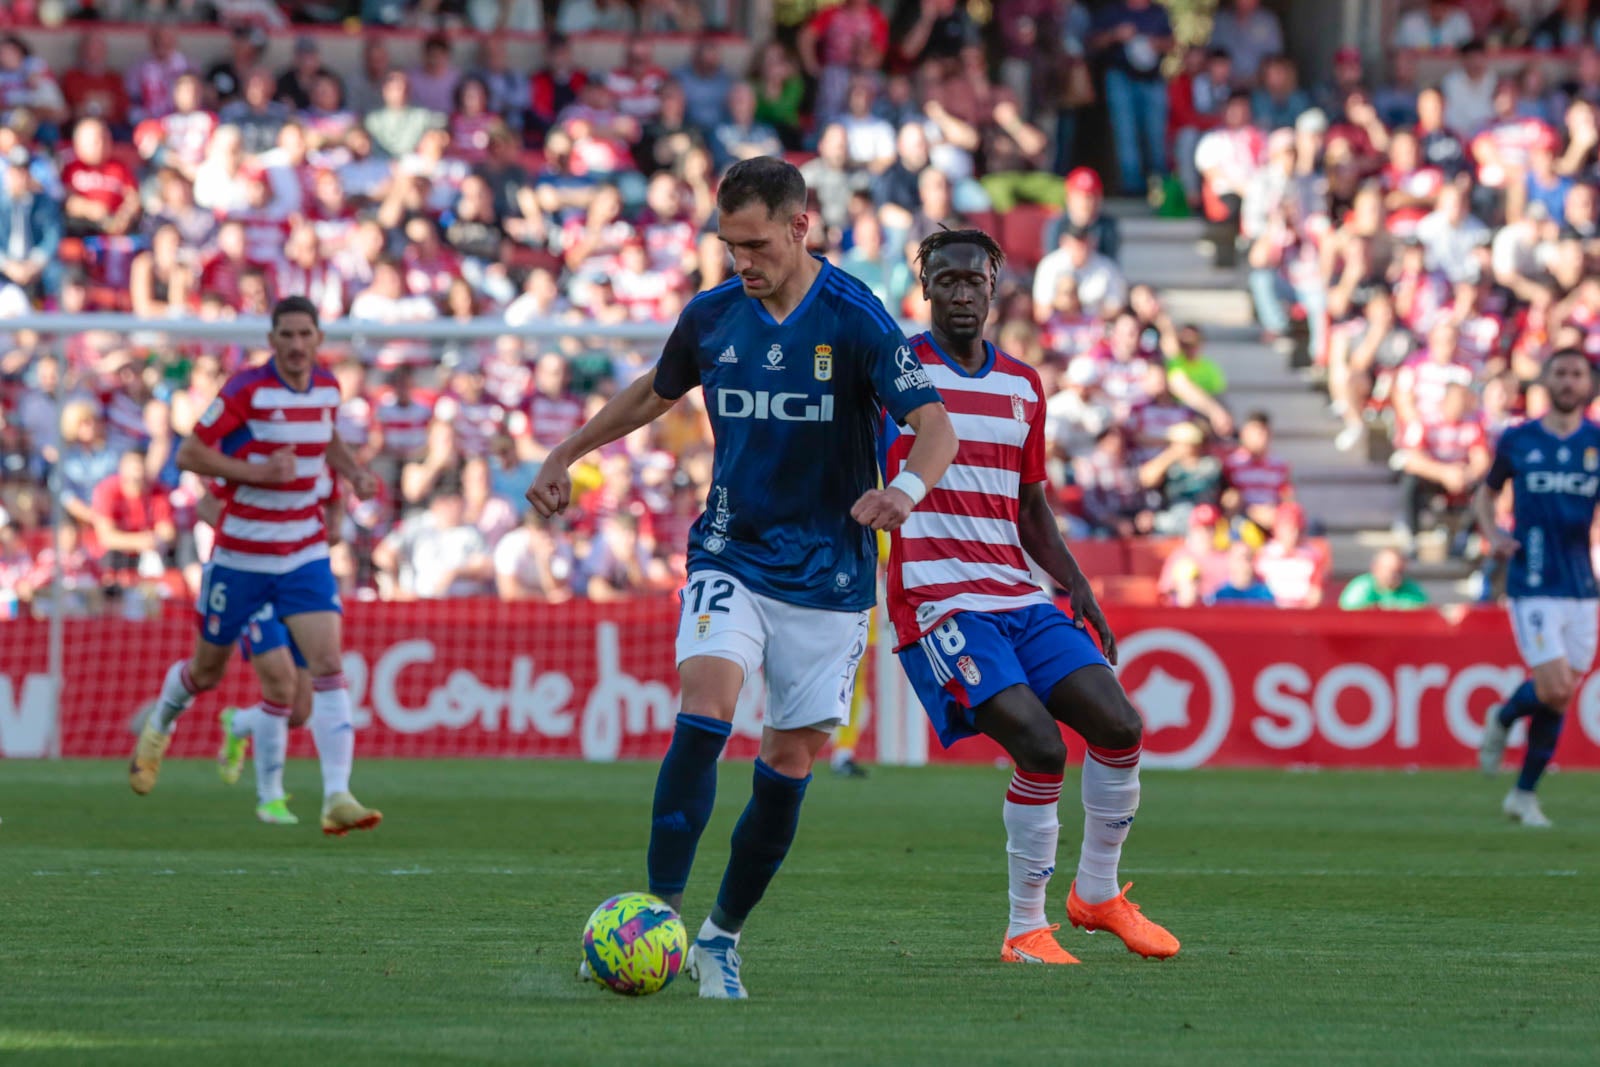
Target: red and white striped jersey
pixel 405 426
pixel 273 529
pixel 550 419
pixel 355 421
pixel 1258 479
pixel 1427 380
pixel 960 550
pixel 476 422
pixel 322 284
pixel 1446 442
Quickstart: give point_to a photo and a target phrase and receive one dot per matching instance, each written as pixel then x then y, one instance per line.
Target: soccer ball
pixel 634 944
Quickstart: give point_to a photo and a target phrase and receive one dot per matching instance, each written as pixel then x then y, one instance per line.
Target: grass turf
pixel 1326 918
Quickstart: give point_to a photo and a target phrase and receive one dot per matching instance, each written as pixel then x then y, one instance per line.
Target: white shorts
pixel 1548 628
pixel 809 655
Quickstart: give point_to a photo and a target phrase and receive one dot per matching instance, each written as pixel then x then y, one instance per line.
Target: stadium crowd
pixel 1428 245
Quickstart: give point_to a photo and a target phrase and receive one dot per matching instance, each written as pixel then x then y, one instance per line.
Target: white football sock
pixel 177 693
pixel 271 733
pixel 1032 830
pixel 1110 799
pixel 333 731
pixel 243 723
pixel 709 929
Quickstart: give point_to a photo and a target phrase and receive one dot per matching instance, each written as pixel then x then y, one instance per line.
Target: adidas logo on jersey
pixel 1536 456
pixel 728 356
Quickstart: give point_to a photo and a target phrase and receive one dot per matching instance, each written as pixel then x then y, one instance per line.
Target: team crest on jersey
pixel 702 627
pixel 1591 459
pixel 823 363
pixel 1016 408
pixel 775 357
pixel 969 670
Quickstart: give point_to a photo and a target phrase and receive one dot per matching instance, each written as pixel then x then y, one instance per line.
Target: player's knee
pixel 206 675
pixel 707 705
pixel 1042 752
pixel 324 664
pixel 1555 695
pixel 1123 728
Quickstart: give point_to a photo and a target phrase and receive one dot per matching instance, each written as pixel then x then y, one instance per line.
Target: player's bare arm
pixel 344 463
pixel 637 405
pixel 200 458
pixel 889 508
pixel 1041 540
pixel 1501 544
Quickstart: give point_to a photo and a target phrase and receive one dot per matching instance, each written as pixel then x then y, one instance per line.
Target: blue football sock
pixel 760 842
pixel 1544 730
pixel 686 791
pixel 1524 701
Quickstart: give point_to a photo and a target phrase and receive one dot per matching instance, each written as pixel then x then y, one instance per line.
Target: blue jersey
pixel 1554 482
pixel 794 410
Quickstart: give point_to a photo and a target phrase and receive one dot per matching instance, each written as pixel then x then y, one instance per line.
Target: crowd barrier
pixel 481 678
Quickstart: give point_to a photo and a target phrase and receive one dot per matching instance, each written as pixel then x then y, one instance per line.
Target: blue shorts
pixel 230 599
pixel 973 655
pixel 264 633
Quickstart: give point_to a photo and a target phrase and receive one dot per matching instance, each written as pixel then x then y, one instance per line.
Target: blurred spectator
pixel 1185 476
pixel 295 83
pixel 833 42
pixel 531 564
pixel 1468 91
pixel 1249 34
pixel 1227 159
pixel 1198 567
pixel 132 515
pixel 1085 209
pixel 1436 25
pixel 1258 482
pixel 159 282
pixel 742 137
pixel 1445 456
pixel 705 85
pixel 1293 568
pixel 1386 586
pixel 1568 26
pixel 1132 36
pixel 1196 99
pixel 594 16
pixel 30 231
pixel 1279 100
pixel 86 460
pixel 1396 99
pixel 257 114
pixel 91 88
pixel 149 82
pixel 1451 236
pixel 436 553
pixel 225 78
pixel 1244 585
pixel 432 86
pixel 397 127
pixel 102 193
pixel 364 88
pixel 1099 281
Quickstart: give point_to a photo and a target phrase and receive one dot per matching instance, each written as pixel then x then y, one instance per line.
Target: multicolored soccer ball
pixel 635 944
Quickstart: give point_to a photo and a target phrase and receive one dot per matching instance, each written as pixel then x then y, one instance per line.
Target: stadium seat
pixel 1022 233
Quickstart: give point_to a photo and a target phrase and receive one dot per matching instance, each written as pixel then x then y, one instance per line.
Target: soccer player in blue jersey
pixel 795 358
pixel 1553 467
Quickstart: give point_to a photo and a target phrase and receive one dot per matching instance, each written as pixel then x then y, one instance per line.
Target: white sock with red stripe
pixel 333 731
pixel 1110 798
pixel 1032 830
pixel 270 728
pixel 178 691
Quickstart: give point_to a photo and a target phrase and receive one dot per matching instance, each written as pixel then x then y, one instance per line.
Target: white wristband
pixel 911 485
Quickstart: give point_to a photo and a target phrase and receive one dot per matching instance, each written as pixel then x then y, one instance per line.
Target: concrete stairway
pixel 1353 500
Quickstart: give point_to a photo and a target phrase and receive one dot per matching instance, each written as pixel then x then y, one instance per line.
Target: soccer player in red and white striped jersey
pixel 270 436
pixel 983 643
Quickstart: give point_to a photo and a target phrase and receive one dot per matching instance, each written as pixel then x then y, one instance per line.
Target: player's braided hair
pixel 944 237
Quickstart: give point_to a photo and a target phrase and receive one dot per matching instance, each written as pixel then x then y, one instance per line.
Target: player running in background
pixel 273 656
pixel 269 436
pixel 1553 466
pixel 985 646
pixel 797 360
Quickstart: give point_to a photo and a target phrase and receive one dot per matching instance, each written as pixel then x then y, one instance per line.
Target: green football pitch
pixel 1326 918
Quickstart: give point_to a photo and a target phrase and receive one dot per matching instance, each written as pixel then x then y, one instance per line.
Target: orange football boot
pixel 1036 946
pixel 1122 917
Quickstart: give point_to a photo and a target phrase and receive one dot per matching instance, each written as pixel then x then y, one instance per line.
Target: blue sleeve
pixel 1500 471
pixel 897 375
pixel 678 370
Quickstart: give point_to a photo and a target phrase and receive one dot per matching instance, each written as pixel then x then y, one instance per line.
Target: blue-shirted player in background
pixel 1553 465
pixel 795 358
